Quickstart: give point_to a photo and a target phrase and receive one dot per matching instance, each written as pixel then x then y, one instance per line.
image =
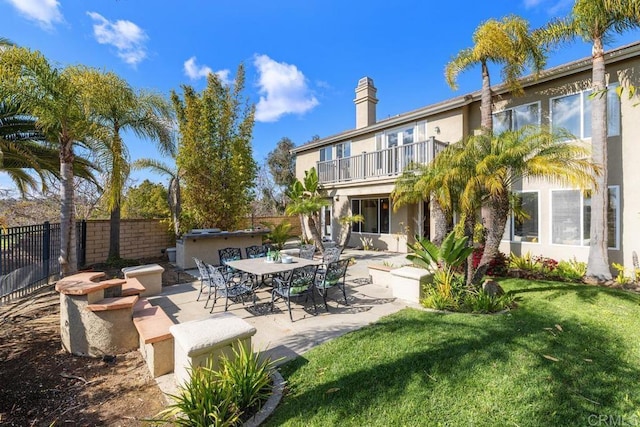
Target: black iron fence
pixel 29 257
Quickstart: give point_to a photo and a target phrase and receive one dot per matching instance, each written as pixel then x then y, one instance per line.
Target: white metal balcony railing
pixel 377 164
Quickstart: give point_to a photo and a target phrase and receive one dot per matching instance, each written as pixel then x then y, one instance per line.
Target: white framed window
pixel 326 154
pixel 376 213
pixel 573 113
pixel 517 117
pixel 343 150
pixel 571 217
pixel 526 228
pixel 337 151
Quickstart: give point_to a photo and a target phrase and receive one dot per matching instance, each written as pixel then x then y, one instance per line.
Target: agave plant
pixel 452 253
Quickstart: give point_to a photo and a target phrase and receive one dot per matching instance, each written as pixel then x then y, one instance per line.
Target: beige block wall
pixel 142 238
pixel 139 238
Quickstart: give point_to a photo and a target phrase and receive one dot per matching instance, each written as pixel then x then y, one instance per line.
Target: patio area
pixel 279 338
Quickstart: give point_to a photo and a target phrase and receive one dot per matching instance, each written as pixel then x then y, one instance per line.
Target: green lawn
pixel 567 355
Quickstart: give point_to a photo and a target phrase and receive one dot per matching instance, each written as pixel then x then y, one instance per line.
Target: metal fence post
pixel 46 246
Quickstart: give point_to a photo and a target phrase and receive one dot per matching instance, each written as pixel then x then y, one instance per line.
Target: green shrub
pixel 248 377
pixel 202 401
pixel 446 291
pixel 482 302
pixel 224 397
pixel 571 270
pixel 278 233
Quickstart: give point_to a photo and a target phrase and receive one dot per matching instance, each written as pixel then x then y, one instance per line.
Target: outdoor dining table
pixel 260 266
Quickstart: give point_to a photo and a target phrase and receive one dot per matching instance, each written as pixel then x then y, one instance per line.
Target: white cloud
pixel 44 12
pixel 531 3
pixel 125 36
pixel 283 90
pixel 195 72
pixel 553 7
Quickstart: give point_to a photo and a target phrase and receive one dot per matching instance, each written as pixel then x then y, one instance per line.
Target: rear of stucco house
pixel 358 168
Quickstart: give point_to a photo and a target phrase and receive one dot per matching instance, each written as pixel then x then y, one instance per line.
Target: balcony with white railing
pixel 379 164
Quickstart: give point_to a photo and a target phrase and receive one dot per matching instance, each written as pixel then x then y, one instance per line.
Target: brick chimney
pixel 365 103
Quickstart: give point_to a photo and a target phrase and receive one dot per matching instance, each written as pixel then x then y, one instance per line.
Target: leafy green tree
pixel 282 164
pixel 117 107
pixel 595 21
pixel 147 200
pixel 51 95
pixel 215 154
pixel 174 198
pixel 508 43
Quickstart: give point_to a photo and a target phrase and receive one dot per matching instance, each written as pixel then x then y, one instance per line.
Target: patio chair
pixel 204 278
pixel 334 276
pixel 295 283
pixel 256 251
pixel 307 251
pixel 229 254
pixel 330 255
pixel 229 287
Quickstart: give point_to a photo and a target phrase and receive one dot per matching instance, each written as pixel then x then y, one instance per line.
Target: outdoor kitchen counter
pixel 206 244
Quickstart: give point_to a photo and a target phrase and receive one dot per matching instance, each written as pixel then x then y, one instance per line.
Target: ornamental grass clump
pixel 222 397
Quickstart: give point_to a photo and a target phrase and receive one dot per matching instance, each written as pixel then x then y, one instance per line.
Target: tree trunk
pixel 441 223
pixel 497 216
pixel 314 233
pixel 68 259
pixel 174 204
pixel 303 229
pixel 114 234
pixel 469 224
pixel 598 263
pixel 345 235
pixel 486 119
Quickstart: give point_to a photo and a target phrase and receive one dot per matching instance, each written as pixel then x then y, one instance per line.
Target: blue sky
pixel 303 59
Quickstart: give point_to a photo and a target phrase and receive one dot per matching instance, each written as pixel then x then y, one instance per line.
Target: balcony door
pixel 400 145
pixel 343 152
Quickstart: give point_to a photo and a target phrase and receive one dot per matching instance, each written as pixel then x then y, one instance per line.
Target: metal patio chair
pixel 334 276
pixel 307 251
pixel 229 287
pixel 296 283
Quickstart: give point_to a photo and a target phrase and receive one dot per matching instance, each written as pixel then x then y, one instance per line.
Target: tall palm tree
pixel 24 152
pixel 173 190
pixel 50 95
pixel 508 43
pixel 116 107
pixel 595 21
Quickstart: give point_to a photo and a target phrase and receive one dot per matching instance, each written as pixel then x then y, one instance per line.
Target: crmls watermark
pixel 605 420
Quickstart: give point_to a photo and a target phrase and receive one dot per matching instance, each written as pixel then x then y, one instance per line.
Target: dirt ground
pixel 42 385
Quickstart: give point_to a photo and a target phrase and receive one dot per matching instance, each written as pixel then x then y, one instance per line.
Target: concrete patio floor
pixel 277 336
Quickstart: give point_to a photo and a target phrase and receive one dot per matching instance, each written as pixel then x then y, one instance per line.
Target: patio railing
pixel 379 164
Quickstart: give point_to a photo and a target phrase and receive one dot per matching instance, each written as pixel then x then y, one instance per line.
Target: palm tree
pixel 24 152
pixel 502 160
pixel 173 190
pixel 508 43
pixel 116 107
pixel 306 201
pixel 481 170
pixel 595 21
pixel 448 183
pixel 50 95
